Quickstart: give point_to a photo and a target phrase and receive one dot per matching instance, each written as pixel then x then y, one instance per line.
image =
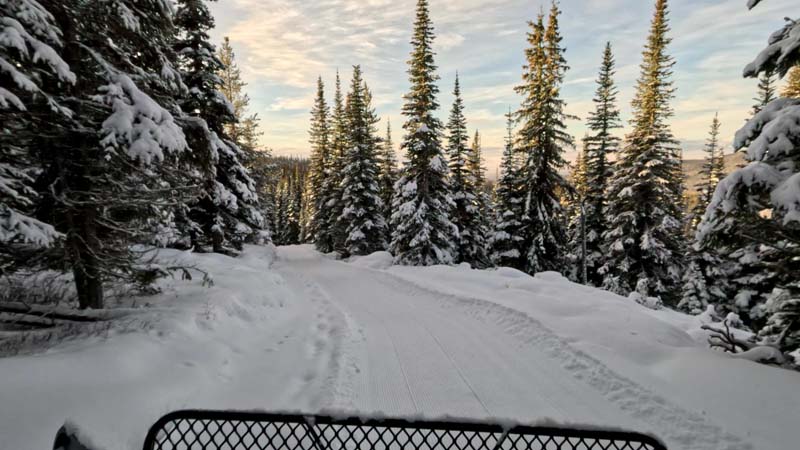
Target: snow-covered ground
pixel 300 331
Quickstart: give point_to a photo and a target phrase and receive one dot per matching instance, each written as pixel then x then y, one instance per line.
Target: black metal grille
pixel 211 430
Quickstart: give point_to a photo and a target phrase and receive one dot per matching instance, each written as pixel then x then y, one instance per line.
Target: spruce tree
pixel 792 87
pixel 712 173
pixel 387 175
pixel 116 161
pixel 505 240
pixel 601 145
pixel 226 211
pixel 422 233
pixel 319 138
pixel 754 216
pixel 542 140
pixel 331 233
pixel 479 253
pixel 576 206
pixel 766 91
pixel 705 278
pixel 644 216
pixel 30 43
pixel 244 130
pixel 362 215
pixel 466 214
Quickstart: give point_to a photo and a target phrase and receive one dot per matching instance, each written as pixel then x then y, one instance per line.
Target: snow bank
pixel 232 345
pixel 377 260
pixel 662 349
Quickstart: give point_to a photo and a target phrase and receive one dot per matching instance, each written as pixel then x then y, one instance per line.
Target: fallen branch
pixel 725 339
pixel 56 313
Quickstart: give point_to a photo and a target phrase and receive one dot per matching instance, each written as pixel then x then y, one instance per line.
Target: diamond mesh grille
pixel 210 430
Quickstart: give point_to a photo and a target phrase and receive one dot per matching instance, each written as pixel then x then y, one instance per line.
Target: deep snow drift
pixel 302 331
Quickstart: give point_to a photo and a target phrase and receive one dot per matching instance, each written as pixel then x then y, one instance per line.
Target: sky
pixel 282 46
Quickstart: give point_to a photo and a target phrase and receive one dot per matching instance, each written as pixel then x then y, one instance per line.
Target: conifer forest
pixel 151 229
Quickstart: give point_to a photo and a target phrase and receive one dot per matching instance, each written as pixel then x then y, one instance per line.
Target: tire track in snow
pixel 678 426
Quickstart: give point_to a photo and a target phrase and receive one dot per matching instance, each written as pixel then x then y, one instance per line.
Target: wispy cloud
pixel 283 45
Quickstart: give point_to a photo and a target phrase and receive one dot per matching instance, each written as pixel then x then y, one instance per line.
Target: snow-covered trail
pixel 409 350
pixel 246 343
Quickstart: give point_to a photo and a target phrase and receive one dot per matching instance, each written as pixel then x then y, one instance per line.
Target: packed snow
pixel 292 329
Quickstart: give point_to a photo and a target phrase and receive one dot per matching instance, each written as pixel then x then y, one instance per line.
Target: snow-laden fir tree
pixel 116 161
pixel 601 146
pixel 29 51
pixel 705 276
pixel 466 213
pixel 362 209
pixel 505 239
pixel 542 141
pixel 792 87
pixel 757 207
pixel 712 172
pixel 575 208
pixel 766 91
pixel 477 173
pixel 319 138
pixel 644 211
pixel 227 209
pixel 387 176
pixel 330 233
pixel 422 233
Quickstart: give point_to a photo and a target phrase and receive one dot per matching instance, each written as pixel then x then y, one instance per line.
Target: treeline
pixel 619 223
pixel 121 125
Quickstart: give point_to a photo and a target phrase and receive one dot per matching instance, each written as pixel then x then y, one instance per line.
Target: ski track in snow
pixel 401 348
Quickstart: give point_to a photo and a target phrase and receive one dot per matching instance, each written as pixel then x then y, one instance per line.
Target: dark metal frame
pixel 444 434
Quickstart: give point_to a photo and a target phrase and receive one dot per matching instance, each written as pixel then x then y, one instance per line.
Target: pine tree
pixel 387 175
pixel 115 161
pixel 30 43
pixel 766 91
pixel 506 238
pixel 542 140
pixel 712 173
pixel 644 216
pixel 319 138
pixel 601 145
pixel 576 213
pixel 331 234
pixel 227 210
pixel 479 254
pixel 362 214
pixel 754 216
pixel 422 231
pixel 705 278
pixel 466 214
pixel 244 130
pixel 792 87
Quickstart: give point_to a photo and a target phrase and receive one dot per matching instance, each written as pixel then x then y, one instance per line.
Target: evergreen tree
pixel 387 175
pixel 576 208
pixel 542 140
pixel 466 214
pixel 766 91
pixel 644 216
pixel 479 253
pixel 792 87
pixel 244 130
pixel 362 214
pixel 754 215
pixel 422 231
pixel 226 211
pixel 506 238
pixel 712 172
pixel 601 145
pixel 319 138
pixel 30 44
pixel 115 161
pixel 705 278
pixel 331 234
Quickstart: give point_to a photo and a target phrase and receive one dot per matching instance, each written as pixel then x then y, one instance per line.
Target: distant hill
pixel 692 168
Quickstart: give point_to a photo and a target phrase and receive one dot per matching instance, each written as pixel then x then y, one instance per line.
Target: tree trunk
pixel 85 268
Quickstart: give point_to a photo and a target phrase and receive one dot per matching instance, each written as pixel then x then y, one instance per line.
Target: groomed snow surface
pixel 297 330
